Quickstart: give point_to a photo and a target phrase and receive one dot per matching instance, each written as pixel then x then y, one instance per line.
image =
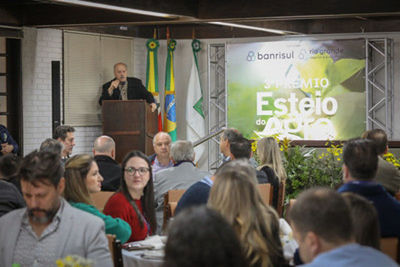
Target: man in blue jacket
pixel 360 164
pixel 8 144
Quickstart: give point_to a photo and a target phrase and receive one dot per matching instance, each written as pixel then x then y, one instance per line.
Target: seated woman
pixel 134 202
pixel 235 195
pixel 82 178
pixel 271 163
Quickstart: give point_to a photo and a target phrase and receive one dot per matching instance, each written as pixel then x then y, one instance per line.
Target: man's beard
pixel 48 215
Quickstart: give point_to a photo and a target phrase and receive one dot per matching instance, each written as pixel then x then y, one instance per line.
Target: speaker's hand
pixel 113 86
pixel 153 107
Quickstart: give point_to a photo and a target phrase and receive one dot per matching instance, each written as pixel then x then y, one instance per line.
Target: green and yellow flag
pixel 170 107
pixel 152 74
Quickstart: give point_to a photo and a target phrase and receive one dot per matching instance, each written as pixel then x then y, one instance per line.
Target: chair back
pixel 100 199
pixel 171 199
pixel 116 250
pixel 289 205
pixel 281 197
pixel 390 246
pixel 266 191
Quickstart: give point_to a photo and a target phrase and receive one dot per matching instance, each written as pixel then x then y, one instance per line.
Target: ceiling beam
pixel 294 9
pixel 184 31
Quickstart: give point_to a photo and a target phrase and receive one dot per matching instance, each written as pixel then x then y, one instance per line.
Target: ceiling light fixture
pixel 250 27
pixel 115 8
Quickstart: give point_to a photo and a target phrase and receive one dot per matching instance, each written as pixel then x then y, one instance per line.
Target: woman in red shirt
pixel 134 201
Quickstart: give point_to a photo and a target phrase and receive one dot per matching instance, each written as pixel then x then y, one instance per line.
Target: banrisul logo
pixel 275 55
pixel 251 56
pixel 262 55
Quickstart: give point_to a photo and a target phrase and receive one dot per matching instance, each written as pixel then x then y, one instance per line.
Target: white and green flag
pixel 195 122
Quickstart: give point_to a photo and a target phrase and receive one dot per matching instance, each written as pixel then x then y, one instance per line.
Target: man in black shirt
pixel 104 155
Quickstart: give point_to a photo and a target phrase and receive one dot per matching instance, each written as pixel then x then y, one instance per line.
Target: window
pixel 88 64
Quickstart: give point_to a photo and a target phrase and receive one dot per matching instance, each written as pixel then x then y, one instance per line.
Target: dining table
pixel 145 253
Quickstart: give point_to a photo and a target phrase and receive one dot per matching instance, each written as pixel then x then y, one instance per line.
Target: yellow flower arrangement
pixel 389 157
pixel 308 167
pixel 254 146
pixel 74 261
pixel 284 144
pixel 335 151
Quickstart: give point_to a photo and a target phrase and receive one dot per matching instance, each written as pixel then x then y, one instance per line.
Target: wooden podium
pixel 131 124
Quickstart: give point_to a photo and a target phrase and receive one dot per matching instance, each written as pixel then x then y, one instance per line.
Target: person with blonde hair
pixel 271 163
pixel 235 195
pixel 82 178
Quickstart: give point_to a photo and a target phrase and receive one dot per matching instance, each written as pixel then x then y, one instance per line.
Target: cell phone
pixel 136 246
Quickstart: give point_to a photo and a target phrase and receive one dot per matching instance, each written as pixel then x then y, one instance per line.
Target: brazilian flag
pixel 170 107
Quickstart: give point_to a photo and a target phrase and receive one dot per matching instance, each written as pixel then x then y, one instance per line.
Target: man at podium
pixel 125 88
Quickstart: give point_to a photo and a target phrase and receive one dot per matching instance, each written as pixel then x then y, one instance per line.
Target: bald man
pixel 162 146
pixel 123 87
pixel 104 155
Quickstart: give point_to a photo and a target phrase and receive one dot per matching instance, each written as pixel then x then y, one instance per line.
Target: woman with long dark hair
pixel 134 202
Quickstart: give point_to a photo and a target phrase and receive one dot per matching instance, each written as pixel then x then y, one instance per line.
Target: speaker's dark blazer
pixel 136 90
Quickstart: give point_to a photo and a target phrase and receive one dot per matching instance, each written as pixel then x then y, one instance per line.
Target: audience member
pixel 181 176
pixel 365 220
pixel 271 164
pixel 10 198
pixel 201 237
pixel 360 161
pixel 241 149
pixel 8 144
pixel 65 135
pixel 235 195
pixel 227 137
pixel 134 202
pixel 52 145
pixel 161 159
pixel 196 195
pixel 323 228
pixel 387 174
pixel 82 178
pixel 104 155
pixel 49 228
pixel 9 169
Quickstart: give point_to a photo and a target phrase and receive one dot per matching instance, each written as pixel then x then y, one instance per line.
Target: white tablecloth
pixel 134 259
pixel 145 257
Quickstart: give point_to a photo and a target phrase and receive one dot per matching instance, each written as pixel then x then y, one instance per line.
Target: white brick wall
pixel 84 138
pixel 39 48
